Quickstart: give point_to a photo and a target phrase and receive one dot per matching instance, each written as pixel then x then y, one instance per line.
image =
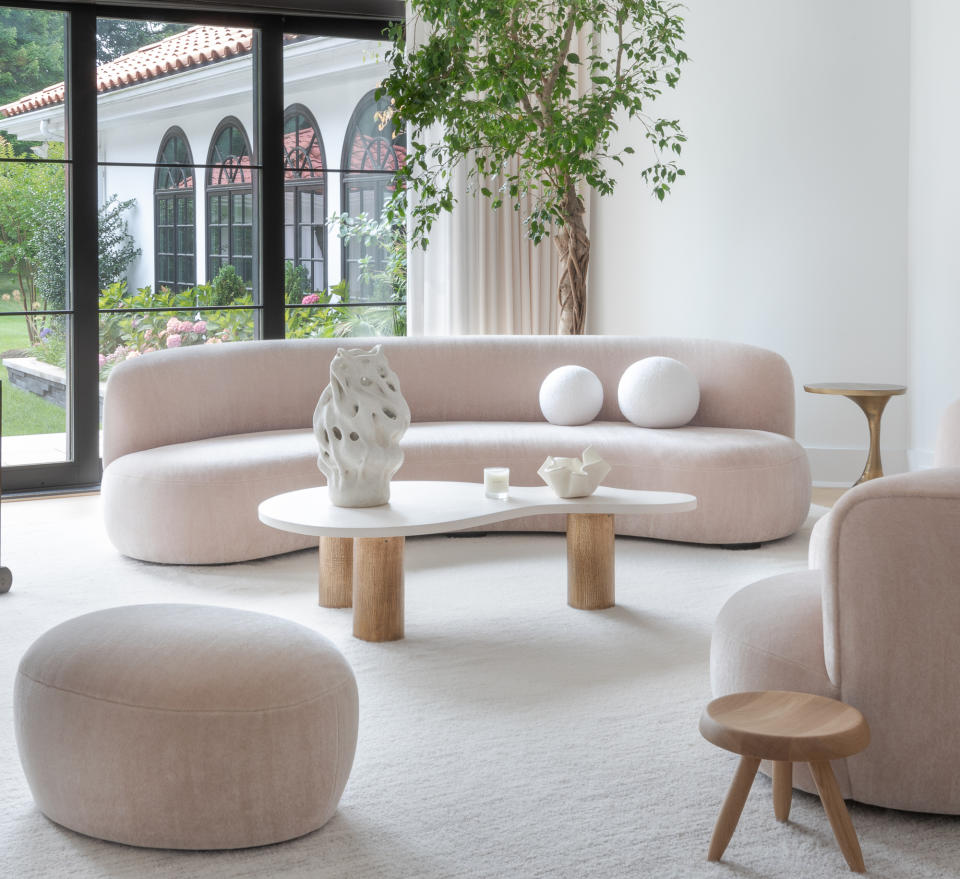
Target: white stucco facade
pixel 327 75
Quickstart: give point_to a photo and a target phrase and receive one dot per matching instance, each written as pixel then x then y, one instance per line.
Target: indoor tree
pixel 500 86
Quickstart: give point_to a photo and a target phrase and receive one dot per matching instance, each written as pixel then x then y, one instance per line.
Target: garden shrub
pixel 228 287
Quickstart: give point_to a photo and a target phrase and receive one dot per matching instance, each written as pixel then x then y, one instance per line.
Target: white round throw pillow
pixel 571 395
pixel 658 392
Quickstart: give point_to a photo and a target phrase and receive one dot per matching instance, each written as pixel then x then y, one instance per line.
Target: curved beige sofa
pixel 195 438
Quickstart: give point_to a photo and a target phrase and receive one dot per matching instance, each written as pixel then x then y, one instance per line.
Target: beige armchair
pixel 874 622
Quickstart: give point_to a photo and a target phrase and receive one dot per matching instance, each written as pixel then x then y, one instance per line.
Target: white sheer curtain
pixel 481 273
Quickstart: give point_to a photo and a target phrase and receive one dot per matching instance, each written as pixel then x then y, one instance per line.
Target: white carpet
pixel 507 736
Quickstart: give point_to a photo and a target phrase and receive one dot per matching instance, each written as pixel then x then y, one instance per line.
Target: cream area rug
pixel 508 736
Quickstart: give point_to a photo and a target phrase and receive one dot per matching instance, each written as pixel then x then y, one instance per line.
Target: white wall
pixel 789 230
pixel 934 224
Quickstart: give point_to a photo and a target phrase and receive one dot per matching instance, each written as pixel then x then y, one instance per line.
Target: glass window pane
pixel 126 335
pixel 306 322
pixel 185 211
pixel 36 368
pixel 32 90
pixel 36 387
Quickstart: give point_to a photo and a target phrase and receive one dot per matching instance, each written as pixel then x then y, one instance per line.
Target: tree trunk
pixel 573 246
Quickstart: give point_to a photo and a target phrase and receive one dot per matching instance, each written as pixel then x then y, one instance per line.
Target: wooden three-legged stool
pixel 786 728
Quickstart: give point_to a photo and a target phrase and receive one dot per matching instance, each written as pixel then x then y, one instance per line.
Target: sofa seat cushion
pixel 751 485
pixel 817 550
pixel 200 498
pixel 769 636
pixel 196 502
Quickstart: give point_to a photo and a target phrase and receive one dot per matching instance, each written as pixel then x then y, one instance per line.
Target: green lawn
pixel 23 413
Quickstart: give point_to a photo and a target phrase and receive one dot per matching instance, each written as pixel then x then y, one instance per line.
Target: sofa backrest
pixel 244 387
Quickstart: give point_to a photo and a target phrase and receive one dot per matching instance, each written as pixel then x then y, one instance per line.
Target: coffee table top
pixel 438 507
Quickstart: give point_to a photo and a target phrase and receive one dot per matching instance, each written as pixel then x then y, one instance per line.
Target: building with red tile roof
pixel 194 47
pixel 191 95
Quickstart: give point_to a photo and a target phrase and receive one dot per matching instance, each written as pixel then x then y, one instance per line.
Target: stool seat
pixel 785 727
pixel 782 725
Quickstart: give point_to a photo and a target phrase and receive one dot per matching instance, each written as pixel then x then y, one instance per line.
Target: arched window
pixel 372 150
pixel 304 199
pixel 175 264
pixel 230 202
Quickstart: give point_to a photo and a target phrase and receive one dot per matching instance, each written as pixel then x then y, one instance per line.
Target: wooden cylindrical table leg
pixel 733 806
pixel 590 561
pixel 378 588
pixel 336 571
pixel 782 788
pixel 837 812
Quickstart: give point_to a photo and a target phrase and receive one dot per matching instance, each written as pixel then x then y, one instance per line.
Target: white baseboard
pixel 835 468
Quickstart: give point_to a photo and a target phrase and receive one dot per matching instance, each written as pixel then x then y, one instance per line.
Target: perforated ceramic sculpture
pixel 358 423
pixel 571 395
pixel 658 392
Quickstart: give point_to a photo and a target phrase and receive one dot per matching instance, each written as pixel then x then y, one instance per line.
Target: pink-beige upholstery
pixel 194 439
pixel 185 726
pixel 876 625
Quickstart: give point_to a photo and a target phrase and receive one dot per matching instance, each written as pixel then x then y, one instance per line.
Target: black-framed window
pixel 304 197
pixel 175 223
pixel 81 97
pixel 230 207
pixel 373 149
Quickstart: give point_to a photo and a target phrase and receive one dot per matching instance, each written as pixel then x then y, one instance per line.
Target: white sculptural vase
pixel 358 423
pixel 573 477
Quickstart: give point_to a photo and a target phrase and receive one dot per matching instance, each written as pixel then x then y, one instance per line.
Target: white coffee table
pixel 361 549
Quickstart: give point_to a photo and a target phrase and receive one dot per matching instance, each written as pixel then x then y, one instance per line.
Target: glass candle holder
pixel 496 482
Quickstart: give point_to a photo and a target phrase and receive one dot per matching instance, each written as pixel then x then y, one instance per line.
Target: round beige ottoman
pixel 186 726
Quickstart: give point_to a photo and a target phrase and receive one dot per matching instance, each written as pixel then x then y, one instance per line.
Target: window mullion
pixel 268 131
pixel 81 135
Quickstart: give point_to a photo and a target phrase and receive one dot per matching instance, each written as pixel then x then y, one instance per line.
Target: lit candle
pixel 496 482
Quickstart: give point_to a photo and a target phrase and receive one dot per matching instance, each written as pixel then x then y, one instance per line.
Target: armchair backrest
pixel 891 618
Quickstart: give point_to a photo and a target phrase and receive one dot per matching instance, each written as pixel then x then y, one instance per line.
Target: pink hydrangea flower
pixel 185 327
pixel 148 333
pixel 172 324
pixel 310 299
pixel 132 354
pixel 200 327
pixel 174 340
pixel 213 340
pixel 102 360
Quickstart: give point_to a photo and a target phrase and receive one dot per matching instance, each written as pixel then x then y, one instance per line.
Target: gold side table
pixel 872 399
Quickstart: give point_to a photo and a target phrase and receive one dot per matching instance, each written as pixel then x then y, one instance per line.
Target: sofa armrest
pixel 891 563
